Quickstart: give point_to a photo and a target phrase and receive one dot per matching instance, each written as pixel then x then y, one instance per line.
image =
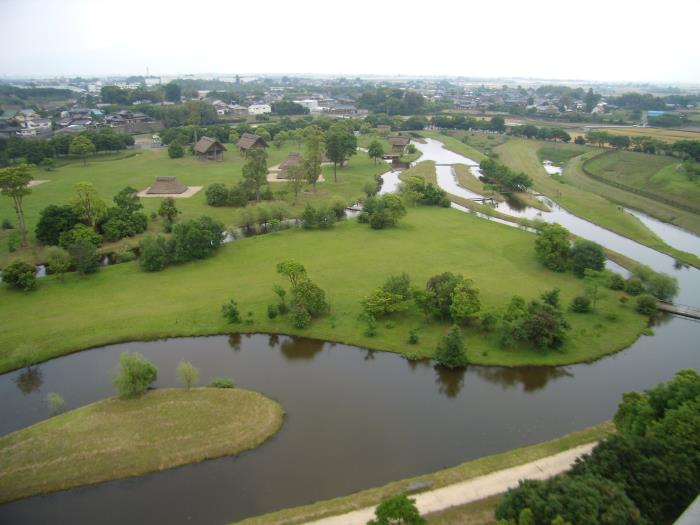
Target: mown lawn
pixel 475 511
pixel 521 155
pixel 139 168
pixel 123 303
pixel 115 439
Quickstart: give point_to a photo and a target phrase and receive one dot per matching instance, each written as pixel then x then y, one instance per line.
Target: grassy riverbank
pixel 521 155
pixel 122 303
pixel 465 471
pixel 115 439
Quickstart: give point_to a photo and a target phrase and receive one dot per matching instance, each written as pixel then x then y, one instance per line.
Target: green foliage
pixel 272 311
pixel 135 375
pixel 301 318
pixel 501 175
pixel 616 282
pixel 450 351
pixel 646 305
pixel 55 403
pixel 88 205
pixel 585 254
pixel 20 275
pixel 375 150
pixel 14 241
pixel 187 374
pixel 415 189
pixel 168 212
pixel 222 382
pixel 255 169
pixel 658 284
pixel 634 286
pixel 176 150
pixel 545 326
pixel 317 217
pixel 14 183
pixel 552 247
pixel 308 295
pixel 53 221
pixel 6 224
pixel 217 194
pixel 341 144
pixel 465 302
pixel 382 212
pixel 293 270
pixel 413 337
pixel 381 302
pixel 81 146
pixel 396 510
pixel 58 260
pixel 230 312
pixel 84 256
pixel 581 304
pixel 196 239
pixel 172 92
pixel 153 253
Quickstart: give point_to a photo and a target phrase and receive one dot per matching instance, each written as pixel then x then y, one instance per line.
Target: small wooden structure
pixel 166 186
pixel 293 159
pixel 209 148
pixel 248 141
pixel 399 143
pixel 383 129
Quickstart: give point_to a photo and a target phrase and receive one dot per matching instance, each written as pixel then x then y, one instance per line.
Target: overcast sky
pixel 617 40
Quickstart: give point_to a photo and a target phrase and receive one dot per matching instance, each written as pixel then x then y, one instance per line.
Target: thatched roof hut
pixel 209 148
pixel 248 140
pixel 293 159
pixel 166 186
pixel 399 142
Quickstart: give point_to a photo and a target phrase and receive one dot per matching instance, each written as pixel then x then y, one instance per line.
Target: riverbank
pixel 124 303
pixel 116 439
pixel 437 480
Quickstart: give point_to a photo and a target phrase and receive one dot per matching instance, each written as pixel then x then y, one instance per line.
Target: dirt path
pixel 474 489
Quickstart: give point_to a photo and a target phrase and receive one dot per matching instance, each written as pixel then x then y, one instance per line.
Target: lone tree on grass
pixel 313 156
pixel 168 212
pixel 135 375
pixel 397 510
pixel 14 183
pixel 585 255
pixel 375 150
pixel 187 374
pixel 340 145
pixel 450 351
pixel 255 169
pixel 552 247
pixel 81 146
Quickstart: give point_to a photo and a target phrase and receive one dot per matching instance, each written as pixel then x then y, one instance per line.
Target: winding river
pixel 355 418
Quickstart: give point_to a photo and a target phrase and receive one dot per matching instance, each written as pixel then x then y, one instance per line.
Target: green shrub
pixel 617 282
pixel 135 375
pixel 230 312
pixel 272 311
pixel 450 351
pixel 222 382
pixel 13 242
pixel 413 337
pixel 20 275
pixel 581 304
pixel 301 318
pixel 634 286
pixel 153 253
pixel 6 224
pixel 646 304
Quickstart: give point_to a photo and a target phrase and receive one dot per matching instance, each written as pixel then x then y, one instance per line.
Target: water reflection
pixel 450 382
pixel 234 341
pixel 531 378
pixel 30 380
pixel 296 348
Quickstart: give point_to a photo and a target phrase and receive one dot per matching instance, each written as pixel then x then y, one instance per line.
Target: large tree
pixel 313 155
pixel 340 145
pixel 255 169
pixel 552 247
pixel 87 203
pixel 584 255
pixel 14 183
pixel 53 221
pixel 172 92
pixel 375 150
pixel 81 146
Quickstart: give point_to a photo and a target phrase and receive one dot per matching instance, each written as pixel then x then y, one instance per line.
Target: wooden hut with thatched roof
pixel 209 148
pixel 248 141
pixel 166 186
pixel 399 143
pixel 293 159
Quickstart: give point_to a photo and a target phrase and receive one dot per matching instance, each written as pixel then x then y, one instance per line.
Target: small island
pixel 115 439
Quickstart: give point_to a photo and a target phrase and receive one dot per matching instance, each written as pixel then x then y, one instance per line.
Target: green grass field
pixel 559 154
pixel 521 155
pixel 655 174
pixel 115 439
pixel 139 168
pixel 122 303
pixel 478 513
pixel 668 135
pixel 465 471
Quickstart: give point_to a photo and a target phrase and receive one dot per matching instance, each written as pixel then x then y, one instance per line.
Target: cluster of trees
pixel 322 216
pixel 238 195
pixel 531 131
pixel 393 101
pixel 267 217
pixel 191 240
pixel 36 151
pixel 687 149
pixel 415 190
pixel 501 176
pixel 382 211
pixel 460 121
pixel 308 300
pixel 197 112
pixel 554 250
pixel 341 144
pixel 289 107
pixel 648 471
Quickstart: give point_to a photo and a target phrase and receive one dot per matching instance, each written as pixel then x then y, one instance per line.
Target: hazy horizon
pixel 598 42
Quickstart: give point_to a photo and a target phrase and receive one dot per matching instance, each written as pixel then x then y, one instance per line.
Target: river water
pixel 355 418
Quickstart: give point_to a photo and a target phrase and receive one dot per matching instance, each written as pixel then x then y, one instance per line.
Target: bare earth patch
pixel 191 190
pixel 36 182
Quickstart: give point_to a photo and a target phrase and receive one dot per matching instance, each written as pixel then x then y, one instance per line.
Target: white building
pixel 308 103
pixel 259 109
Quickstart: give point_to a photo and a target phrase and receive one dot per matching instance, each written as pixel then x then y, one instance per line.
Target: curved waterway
pixel 355 418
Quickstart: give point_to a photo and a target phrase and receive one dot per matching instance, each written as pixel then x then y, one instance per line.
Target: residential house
pixel 259 109
pixel 23 115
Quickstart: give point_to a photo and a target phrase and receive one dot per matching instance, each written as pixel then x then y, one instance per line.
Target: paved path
pixel 475 488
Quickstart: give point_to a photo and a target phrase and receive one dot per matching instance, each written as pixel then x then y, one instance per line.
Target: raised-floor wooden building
pixel 209 148
pixel 249 141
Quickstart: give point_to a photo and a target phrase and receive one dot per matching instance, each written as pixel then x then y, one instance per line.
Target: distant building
pixel 399 143
pixel 655 113
pixel 209 148
pixel 308 103
pixel 23 115
pixel 259 109
pixel 239 111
